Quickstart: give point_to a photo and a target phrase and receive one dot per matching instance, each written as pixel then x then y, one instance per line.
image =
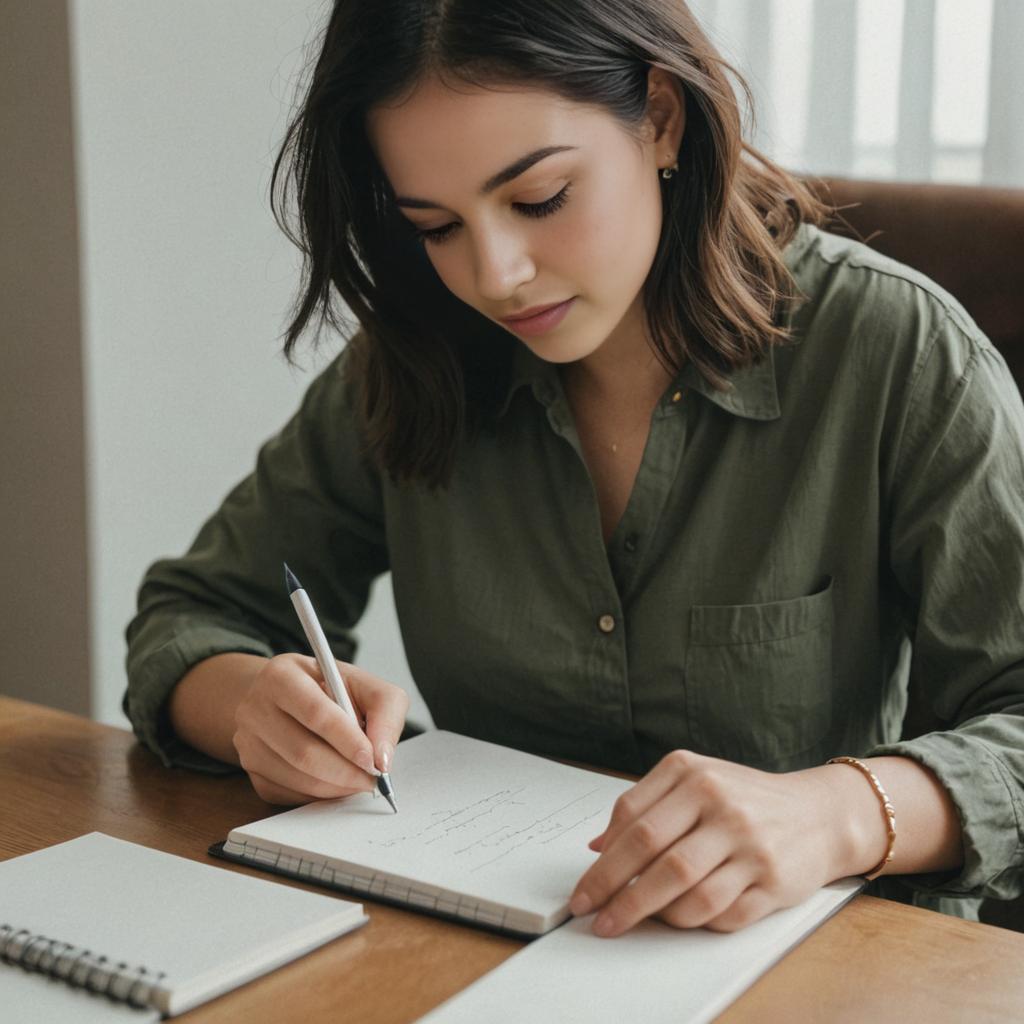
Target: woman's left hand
pixel 712 843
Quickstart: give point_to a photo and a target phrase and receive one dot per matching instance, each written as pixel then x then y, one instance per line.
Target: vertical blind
pixel 913 90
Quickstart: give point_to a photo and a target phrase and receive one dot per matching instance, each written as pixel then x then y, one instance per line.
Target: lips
pixel 532 311
pixel 540 319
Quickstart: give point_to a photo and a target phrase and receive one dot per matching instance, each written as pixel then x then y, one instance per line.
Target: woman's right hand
pixel 298 745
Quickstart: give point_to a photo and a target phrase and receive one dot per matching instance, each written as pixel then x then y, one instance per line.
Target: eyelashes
pixel 544 209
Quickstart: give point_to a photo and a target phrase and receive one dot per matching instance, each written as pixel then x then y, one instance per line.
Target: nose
pixel 503 263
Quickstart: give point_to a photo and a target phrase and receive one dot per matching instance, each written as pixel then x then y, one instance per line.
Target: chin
pixel 553 352
pixel 554 349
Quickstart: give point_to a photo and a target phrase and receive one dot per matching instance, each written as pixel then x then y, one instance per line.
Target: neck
pixel 624 373
pixel 640 379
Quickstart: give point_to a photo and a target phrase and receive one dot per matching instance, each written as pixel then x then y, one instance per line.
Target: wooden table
pixel 875 961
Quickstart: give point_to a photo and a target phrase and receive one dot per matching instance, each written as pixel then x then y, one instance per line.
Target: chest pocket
pixel 759 677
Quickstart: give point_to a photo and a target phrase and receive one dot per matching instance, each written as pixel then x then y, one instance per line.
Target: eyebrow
pixel 520 166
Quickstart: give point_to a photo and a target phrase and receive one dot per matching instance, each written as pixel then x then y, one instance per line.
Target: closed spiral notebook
pixel 97 928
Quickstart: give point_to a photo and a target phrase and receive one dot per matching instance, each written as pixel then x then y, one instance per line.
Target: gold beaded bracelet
pixel 887 809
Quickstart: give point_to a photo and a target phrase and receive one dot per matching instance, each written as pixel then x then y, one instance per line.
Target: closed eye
pixel 543 209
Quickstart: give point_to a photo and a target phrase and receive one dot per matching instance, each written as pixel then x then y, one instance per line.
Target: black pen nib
pixel 387 790
pixel 290 580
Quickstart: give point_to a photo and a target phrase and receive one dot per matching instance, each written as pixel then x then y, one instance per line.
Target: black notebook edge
pixel 217 850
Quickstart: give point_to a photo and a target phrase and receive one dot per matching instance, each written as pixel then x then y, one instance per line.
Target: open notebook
pixel 484 834
pixel 96 922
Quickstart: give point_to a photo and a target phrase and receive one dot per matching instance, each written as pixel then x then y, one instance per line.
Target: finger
pixel 309 755
pixel 275 794
pixel 626 855
pixel 750 906
pixel 663 777
pixel 709 898
pixel 306 700
pixel 681 867
pixel 268 763
pixel 384 706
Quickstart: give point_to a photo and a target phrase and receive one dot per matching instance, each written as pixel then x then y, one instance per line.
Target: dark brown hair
pixel 426 364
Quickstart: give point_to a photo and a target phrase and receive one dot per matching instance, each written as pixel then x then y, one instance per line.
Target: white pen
pixel 329 667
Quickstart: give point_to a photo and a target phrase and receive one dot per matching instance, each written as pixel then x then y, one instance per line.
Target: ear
pixel 666 111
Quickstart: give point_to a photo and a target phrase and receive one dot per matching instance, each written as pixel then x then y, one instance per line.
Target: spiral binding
pixel 78 967
pixel 451 905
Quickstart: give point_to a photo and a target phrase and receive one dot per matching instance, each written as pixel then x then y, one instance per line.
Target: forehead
pixel 440 133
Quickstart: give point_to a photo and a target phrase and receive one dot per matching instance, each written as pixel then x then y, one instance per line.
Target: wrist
pixel 884 805
pixel 852 814
pixel 202 706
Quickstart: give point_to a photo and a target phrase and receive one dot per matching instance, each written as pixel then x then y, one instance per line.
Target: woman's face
pixel 581 223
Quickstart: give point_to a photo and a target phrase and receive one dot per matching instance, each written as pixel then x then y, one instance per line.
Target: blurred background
pixel 145 285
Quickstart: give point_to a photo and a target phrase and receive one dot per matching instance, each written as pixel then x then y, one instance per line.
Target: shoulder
pixel 861 308
pixel 335 387
pixel 884 355
pixel 328 426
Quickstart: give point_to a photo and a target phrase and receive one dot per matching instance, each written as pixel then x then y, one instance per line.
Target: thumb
pixel 383 706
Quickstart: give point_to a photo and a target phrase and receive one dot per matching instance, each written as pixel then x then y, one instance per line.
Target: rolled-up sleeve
pixel 314 502
pixel 956 549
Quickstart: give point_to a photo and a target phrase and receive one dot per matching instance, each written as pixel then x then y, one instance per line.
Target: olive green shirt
pixel 847 518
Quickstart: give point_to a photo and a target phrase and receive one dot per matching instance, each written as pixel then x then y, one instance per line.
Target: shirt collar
pixel 751 392
pixel 528 370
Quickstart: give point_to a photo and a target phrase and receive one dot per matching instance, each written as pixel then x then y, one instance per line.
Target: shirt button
pixel 630 543
pixel 606 623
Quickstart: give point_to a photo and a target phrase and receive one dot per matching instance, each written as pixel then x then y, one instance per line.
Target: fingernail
pixel 386 753
pixel 580 904
pixel 365 761
pixel 604 923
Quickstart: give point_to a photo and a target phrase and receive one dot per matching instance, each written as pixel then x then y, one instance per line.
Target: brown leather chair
pixel 970 240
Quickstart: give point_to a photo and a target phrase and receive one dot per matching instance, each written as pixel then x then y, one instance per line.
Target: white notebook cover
pixel 652 974
pixel 204 928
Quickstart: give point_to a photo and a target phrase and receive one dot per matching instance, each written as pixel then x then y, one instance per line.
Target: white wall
pixel 186 280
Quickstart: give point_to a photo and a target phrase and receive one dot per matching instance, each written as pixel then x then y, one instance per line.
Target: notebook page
pixel 199 924
pixel 653 973
pixel 474 818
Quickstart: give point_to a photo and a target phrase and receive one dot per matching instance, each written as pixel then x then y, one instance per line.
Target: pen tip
pixel 290 580
pixel 385 788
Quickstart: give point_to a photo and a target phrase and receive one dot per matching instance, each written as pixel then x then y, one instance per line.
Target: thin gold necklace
pixel 613 446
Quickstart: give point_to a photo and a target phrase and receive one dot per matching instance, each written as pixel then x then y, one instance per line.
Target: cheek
pixel 613 238
pixel 583 251
pixel 585 236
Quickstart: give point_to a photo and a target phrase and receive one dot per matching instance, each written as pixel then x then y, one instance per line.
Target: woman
pixel 702 518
